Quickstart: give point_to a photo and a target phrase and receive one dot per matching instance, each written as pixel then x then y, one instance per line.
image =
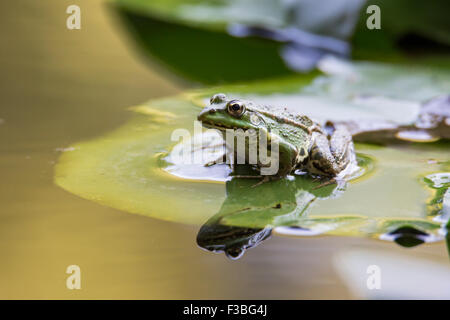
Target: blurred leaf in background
pixel 214 41
pixel 412 26
pixel 228 41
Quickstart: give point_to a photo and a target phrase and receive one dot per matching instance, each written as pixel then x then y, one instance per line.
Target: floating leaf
pixel 400 194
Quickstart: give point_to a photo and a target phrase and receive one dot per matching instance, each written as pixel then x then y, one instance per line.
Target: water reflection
pixel 249 212
pixel 408 236
pixel 233 241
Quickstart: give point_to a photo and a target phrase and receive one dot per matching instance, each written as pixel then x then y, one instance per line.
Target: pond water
pixel 60 87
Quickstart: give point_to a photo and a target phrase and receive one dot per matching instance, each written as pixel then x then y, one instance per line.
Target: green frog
pixel 303 144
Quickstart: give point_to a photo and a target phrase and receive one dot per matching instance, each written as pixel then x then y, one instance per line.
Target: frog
pixel 303 144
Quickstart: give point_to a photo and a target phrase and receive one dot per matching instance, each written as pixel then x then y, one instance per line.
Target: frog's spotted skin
pixel 302 143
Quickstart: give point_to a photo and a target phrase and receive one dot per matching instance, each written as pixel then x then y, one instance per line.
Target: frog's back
pixel 294 128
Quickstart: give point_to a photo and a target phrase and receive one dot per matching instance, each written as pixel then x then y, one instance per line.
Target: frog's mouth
pixel 210 125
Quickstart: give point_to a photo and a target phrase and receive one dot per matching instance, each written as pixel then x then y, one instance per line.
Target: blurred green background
pixel 60 86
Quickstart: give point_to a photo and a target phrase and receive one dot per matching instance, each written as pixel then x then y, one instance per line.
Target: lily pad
pixel 400 192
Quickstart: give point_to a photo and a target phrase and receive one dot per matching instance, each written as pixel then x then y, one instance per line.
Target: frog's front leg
pixel 330 156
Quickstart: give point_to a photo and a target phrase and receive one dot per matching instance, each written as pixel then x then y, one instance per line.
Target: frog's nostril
pixel 212 110
pixel 203 113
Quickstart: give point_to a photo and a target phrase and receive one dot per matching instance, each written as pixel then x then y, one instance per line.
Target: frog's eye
pixel 218 98
pixel 236 108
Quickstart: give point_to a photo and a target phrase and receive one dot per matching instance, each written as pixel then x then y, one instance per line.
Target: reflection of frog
pixel 248 214
pixel 302 143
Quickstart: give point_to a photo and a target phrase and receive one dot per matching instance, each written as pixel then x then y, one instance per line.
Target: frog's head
pixel 224 114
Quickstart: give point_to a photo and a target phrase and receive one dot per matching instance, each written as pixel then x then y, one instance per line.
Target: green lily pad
pixel 401 190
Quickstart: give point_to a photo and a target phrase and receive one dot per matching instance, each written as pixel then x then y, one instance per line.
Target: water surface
pixel 59 87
